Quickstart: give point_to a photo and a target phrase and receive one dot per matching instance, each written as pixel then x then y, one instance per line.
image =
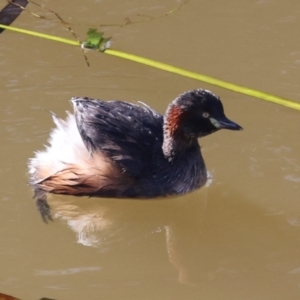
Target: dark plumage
pixel 123 150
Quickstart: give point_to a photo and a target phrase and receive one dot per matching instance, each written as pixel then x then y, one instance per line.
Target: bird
pixel 118 149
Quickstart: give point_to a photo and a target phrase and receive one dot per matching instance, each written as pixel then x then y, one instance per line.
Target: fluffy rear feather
pixel 67 167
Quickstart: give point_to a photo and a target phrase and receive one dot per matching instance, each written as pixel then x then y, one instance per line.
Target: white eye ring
pixel 205 115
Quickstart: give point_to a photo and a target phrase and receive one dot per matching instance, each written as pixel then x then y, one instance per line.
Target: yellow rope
pixel 41 35
pixel 172 69
pixel 207 79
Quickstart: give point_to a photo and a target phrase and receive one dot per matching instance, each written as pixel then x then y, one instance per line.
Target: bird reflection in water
pixel 110 224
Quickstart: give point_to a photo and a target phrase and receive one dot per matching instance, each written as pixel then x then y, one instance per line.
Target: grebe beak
pixel 225 123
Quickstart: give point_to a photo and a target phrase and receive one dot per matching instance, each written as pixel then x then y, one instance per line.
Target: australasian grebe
pixel 124 150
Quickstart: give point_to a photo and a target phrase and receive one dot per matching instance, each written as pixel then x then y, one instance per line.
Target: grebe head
pixel 195 114
pixel 192 115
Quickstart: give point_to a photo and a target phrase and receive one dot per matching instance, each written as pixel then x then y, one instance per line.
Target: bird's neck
pixel 176 142
pixel 187 168
pixel 177 146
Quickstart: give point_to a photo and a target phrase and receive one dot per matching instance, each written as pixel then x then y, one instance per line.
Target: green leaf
pixel 96 41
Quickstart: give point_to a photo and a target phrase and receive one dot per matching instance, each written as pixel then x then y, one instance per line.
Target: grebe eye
pixel 205 114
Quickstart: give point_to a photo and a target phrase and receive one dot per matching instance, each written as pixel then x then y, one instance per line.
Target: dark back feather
pixel 129 134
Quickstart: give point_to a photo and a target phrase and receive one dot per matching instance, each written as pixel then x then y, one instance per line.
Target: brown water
pixel 239 238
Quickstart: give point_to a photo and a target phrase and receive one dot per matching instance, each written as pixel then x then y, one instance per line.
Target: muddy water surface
pixel 239 238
